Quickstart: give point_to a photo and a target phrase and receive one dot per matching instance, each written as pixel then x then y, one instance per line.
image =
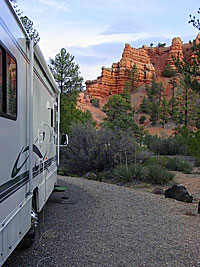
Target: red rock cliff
pixel 112 80
pixel 149 62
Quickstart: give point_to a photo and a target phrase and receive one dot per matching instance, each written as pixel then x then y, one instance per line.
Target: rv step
pixel 58 188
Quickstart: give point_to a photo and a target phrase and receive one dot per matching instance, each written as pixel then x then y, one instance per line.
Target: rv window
pixel 11 96
pixel 8 85
pixel 1 79
pixel 51 117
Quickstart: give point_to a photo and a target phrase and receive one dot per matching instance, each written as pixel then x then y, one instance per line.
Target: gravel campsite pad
pixel 98 224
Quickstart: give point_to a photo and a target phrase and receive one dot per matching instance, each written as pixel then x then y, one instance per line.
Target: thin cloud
pixel 58 5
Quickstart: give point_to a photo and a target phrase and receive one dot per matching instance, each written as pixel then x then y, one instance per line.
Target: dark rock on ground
pixel 179 193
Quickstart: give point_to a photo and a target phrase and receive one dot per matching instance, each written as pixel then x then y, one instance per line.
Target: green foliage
pixel 27 23
pixel 161 45
pixel 174 109
pixel 116 107
pixel 197 162
pixel 192 140
pixel 129 173
pixel 94 102
pixel 153 90
pixel 162 161
pixel 173 83
pixel 139 172
pixel 66 72
pixel 154 112
pixel 168 71
pixel 142 119
pixel 166 146
pixel 124 173
pixel 92 150
pixel 119 114
pixel 126 92
pixel 176 164
pixel 195 22
pixel 157 175
pixel 133 76
pixel 144 105
pixel 151 44
pixel 69 114
pixel 164 111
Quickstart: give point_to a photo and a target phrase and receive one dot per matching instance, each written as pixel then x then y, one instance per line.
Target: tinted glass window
pixel 11 95
pixel 8 84
pixel 1 79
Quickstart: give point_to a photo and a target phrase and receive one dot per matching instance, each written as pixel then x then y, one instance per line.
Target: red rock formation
pixel 112 80
pixel 176 51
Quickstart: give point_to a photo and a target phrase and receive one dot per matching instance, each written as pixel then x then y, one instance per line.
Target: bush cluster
pixel 166 146
pixel 142 119
pixel 151 172
pixel 168 71
pixel 92 150
pixel 158 175
pixel 129 173
pixel 176 164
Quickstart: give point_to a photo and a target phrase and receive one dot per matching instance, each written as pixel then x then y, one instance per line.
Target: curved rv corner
pixel 29 146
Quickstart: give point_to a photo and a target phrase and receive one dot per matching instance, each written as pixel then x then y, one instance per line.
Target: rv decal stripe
pixel 12 186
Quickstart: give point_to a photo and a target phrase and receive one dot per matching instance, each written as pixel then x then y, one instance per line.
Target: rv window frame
pixel 4 82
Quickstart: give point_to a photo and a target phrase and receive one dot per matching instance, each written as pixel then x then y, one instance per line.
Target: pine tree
pixel 164 112
pixel 173 83
pixel 66 72
pixel 69 114
pixel 126 92
pixel 133 76
pixel 173 109
pixel 154 112
pixel 153 90
pixel 144 105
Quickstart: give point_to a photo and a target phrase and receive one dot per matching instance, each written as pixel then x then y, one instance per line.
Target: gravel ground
pixel 98 224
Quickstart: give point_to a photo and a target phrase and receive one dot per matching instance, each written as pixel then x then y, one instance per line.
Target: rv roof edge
pixel 17 18
pixel 37 50
pixel 42 61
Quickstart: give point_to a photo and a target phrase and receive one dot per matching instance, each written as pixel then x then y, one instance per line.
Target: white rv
pixel 29 127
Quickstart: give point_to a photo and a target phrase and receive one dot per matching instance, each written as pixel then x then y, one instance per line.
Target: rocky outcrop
pixel 149 61
pixel 176 51
pixel 112 80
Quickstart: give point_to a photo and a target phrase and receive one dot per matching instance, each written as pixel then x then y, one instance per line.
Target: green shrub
pixel 162 161
pixel 142 119
pixel 185 167
pixel 124 173
pixel 176 164
pixel 168 71
pixel 197 162
pixel 129 173
pixel 158 175
pixel 139 172
pixel 92 150
pixel 94 102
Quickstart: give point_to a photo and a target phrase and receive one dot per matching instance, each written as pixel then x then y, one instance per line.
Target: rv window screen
pixel 8 85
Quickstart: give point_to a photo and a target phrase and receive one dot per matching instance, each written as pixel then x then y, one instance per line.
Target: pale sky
pixel 95 31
